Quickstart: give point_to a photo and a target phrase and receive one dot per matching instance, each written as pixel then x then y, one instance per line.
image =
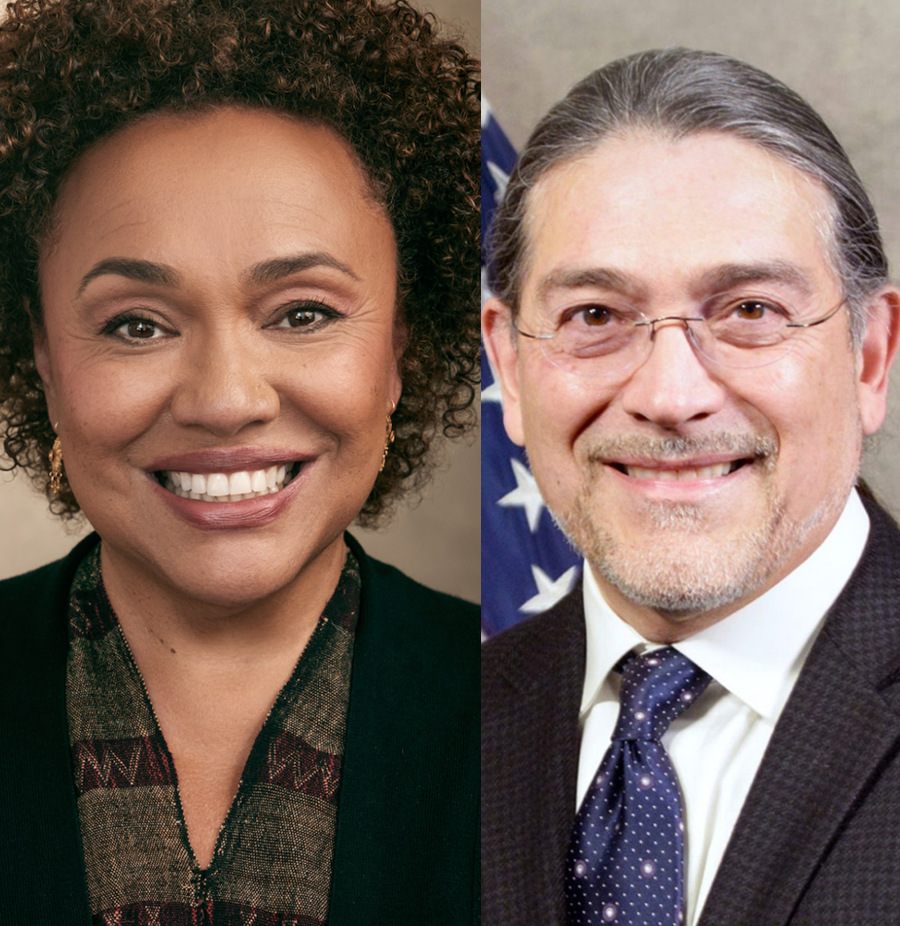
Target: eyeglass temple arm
pixel 534 337
pixel 817 321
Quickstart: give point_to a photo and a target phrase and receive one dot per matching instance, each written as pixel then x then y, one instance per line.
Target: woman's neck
pixel 169 631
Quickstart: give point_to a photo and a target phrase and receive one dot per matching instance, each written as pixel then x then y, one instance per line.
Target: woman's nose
pixel 225 384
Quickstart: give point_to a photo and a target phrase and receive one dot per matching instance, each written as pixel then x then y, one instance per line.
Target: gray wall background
pixel 841 55
pixel 438 542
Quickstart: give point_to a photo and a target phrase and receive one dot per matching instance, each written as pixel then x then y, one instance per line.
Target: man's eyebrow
pixel 144 271
pixel 270 271
pixel 721 279
pixel 578 277
pixel 718 279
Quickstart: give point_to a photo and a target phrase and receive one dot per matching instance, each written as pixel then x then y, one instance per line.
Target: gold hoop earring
pixel 388 435
pixel 56 466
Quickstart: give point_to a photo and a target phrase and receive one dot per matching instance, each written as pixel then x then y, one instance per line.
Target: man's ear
pixel 44 368
pixel 876 355
pixel 499 340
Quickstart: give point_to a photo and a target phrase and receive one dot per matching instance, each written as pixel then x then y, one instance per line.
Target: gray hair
pixel 678 92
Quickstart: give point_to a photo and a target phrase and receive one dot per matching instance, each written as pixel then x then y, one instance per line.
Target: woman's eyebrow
pixel 270 271
pixel 267 271
pixel 144 271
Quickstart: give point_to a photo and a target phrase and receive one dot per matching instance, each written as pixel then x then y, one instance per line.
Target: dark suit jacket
pixel 818 840
pixel 407 831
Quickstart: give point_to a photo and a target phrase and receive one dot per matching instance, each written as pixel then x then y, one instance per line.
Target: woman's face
pixel 219 298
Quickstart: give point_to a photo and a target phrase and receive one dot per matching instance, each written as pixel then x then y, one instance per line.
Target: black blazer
pixel 818 839
pixel 407 829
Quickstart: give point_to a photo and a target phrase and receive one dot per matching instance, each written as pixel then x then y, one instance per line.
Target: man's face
pixel 690 487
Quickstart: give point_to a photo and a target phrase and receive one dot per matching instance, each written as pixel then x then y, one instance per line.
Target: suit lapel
pixel 409 736
pixel 42 879
pixel 362 856
pixel 838 726
pixel 529 793
pixel 829 743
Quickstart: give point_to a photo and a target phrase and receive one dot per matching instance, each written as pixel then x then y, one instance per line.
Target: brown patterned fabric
pixel 272 863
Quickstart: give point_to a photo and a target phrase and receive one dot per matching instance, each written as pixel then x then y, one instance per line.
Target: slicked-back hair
pixel 675 93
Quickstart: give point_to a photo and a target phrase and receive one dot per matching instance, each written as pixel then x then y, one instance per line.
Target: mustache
pixel 667 449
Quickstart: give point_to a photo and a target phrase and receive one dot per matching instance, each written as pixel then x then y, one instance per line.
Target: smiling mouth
pixel 676 474
pixel 229 487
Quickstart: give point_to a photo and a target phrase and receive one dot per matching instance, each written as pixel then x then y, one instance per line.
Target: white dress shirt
pixel 754 657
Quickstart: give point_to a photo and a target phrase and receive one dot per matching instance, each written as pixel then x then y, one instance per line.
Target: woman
pixel 237 303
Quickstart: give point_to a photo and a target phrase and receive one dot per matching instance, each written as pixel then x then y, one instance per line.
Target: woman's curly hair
pixel 381 74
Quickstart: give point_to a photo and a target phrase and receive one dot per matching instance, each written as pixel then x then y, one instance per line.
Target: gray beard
pixel 671 575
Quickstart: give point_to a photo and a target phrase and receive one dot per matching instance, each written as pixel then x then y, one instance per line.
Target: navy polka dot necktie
pixel 625 863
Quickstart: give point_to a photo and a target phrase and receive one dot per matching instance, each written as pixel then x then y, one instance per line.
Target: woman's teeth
pixel 230 487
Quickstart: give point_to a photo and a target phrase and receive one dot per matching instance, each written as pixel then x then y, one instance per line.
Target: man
pixel 693 332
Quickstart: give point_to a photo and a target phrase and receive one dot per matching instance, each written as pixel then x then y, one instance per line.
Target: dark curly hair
pixel 405 97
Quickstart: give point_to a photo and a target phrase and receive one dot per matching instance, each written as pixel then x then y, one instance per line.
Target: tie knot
pixel 656 688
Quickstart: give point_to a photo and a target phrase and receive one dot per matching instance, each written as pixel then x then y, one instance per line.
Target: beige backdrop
pixel 842 55
pixel 438 542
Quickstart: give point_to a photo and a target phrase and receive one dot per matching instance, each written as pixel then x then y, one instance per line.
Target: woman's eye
pixel 300 318
pixel 307 316
pixel 135 329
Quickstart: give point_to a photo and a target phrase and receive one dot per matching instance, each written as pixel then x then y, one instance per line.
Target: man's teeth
pixel 227 487
pixel 679 475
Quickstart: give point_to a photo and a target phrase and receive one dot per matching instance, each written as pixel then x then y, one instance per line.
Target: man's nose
pixel 673 385
pixel 225 384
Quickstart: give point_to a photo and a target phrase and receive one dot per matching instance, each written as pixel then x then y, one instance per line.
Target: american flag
pixel 527 565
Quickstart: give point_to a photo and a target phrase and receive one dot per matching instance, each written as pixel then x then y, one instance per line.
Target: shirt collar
pixel 757 652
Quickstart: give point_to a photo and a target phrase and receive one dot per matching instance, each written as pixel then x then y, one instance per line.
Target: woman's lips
pixel 237 513
pixel 228 459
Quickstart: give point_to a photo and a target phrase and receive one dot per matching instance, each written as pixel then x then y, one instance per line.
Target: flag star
pixel 500 177
pixel 526 495
pixel 549 591
pixel 492 393
pixel 485 287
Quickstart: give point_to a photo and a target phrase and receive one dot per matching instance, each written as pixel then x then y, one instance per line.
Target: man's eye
pixel 752 310
pixel 597 315
pixel 591 316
